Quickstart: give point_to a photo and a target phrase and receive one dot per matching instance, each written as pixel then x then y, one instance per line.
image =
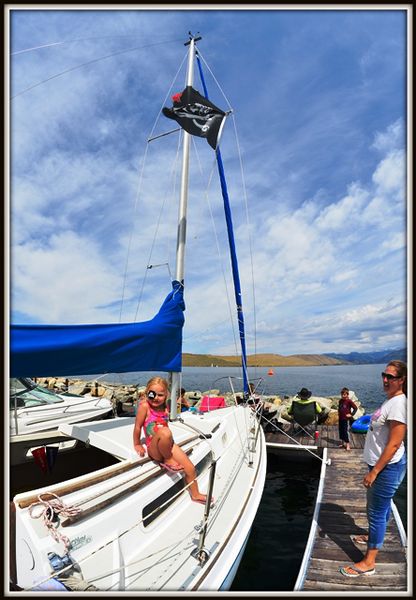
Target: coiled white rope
pixel 48 510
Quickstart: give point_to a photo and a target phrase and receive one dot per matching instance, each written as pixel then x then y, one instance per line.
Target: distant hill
pixel 368 358
pixel 294 360
pixel 259 360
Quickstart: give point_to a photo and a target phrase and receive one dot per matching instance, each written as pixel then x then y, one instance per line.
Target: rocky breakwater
pixel 125 397
pixel 122 396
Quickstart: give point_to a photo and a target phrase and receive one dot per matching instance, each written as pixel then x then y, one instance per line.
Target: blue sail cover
pixel 61 350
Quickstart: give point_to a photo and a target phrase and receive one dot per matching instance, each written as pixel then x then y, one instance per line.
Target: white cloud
pixel 65 281
pixel 344 214
pixel 326 193
pixel 390 173
pixel 395 242
pixel 345 277
pixel 390 139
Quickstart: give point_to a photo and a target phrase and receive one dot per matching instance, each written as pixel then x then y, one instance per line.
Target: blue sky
pixel 319 113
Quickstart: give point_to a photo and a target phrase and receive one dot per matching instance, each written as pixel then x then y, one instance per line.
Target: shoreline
pixel 126 396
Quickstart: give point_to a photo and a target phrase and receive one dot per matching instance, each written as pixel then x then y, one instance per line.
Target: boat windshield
pixel 25 393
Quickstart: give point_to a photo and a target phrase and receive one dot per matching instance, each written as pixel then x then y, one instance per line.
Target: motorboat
pixel 36 413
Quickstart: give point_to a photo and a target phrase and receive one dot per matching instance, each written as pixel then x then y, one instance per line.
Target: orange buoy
pixel 270 372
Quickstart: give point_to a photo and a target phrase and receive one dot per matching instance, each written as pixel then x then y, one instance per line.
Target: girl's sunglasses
pixel 389 376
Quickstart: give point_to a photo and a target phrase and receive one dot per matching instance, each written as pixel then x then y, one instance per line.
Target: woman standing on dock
pixel 385 455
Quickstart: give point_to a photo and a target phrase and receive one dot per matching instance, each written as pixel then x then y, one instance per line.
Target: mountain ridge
pixel 294 360
pixel 362 358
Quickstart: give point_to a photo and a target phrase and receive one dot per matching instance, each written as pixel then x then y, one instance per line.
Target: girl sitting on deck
pixel 152 415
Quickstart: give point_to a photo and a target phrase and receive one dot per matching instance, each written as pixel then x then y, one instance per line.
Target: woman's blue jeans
pixel 379 497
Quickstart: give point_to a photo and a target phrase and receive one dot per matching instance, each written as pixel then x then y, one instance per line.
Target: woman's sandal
pixel 356 572
pixel 360 539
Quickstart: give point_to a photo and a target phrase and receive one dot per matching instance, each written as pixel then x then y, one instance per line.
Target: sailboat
pixel 36 413
pixel 131 526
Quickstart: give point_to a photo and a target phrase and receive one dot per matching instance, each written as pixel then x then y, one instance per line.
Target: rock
pixel 270 406
pixel 51 383
pixel 109 394
pixel 323 402
pixel 98 390
pixel 211 393
pixel 332 418
pixel 80 389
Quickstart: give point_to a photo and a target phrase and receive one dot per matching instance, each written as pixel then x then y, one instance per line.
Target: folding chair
pixel 304 415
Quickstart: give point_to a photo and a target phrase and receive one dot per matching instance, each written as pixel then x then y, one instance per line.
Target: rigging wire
pixel 87 39
pixel 138 196
pixel 245 204
pixel 215 79
pixel 250 242
pixel 89 62
pixel 159 219
pixel 220 257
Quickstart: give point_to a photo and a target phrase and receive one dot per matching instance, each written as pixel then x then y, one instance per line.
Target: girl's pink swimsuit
pixel 154 420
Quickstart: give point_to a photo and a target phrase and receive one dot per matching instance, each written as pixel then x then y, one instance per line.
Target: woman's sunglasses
pixel 389 376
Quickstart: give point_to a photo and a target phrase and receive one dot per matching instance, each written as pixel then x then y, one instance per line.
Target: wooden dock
pixel 340 513
pixel 328 438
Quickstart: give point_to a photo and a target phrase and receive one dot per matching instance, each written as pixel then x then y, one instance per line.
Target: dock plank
pixel 342 514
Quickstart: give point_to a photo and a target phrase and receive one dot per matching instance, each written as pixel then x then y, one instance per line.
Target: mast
pixel 182 216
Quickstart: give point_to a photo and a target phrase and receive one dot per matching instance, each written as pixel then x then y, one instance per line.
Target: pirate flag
pixel 196 114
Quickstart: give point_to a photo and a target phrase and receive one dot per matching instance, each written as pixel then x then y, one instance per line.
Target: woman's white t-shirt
pixel 393 409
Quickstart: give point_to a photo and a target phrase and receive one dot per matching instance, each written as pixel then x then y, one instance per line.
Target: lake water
pixel 280 530
pixel 274 551
pixel 364 380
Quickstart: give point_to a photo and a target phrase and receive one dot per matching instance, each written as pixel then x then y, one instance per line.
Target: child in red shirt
pixel 346 408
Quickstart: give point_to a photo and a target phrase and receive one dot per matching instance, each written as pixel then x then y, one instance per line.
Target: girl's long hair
pixel 401 369
pixel 158 381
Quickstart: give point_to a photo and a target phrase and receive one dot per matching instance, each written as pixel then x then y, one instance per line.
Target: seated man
pixel 304 397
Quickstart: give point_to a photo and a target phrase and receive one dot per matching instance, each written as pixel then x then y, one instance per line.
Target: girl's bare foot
pixel 201 499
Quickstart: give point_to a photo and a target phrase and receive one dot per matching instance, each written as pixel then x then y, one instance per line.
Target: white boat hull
pixel 72 409
pixel 119 546
pixel 38 426
pixel 32 426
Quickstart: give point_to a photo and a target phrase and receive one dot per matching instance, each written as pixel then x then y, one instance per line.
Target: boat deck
pixel 340 513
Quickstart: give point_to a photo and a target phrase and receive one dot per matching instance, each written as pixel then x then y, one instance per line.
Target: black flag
pixel 196 114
